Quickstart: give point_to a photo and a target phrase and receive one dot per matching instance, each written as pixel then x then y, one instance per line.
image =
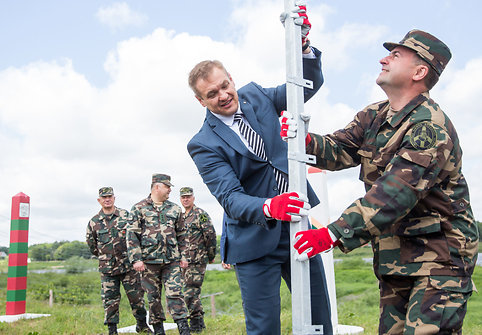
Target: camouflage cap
pixel 428 47
pixel 161 178
pixel 106 191
pixel 186 191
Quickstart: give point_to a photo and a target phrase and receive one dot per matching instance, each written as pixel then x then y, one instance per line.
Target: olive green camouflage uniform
pixel 156 236
pixel 416 211
pixel 106 237
pixel 201 238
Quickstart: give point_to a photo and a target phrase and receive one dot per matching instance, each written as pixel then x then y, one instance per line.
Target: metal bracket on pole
pixel 300 82
pixel 302 158
pixel 297 159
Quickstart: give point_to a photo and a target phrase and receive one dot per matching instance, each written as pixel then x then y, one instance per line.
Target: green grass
pixel 356 285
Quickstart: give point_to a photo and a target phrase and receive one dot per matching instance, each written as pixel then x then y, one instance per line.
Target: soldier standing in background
pixel 106 238
pixel 201 241
pixel 416 212
pixel 157 249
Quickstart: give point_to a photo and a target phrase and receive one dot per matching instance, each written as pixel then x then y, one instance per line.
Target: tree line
pixel 59 251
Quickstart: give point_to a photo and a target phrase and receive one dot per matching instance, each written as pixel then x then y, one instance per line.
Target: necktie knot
pixel 238 117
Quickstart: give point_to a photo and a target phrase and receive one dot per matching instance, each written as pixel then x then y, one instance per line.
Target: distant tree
pixel 4 249
pixel 40 252
pixel 70 249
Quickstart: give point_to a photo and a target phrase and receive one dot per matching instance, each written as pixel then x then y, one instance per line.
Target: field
pixel 78 307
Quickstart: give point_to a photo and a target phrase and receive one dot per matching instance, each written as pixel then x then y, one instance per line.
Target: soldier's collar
pixel 399 116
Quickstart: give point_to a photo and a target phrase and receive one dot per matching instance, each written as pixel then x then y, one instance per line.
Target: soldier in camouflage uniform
pixel 106 237
pixel 416 211
pixel 201 241
pixel 157 248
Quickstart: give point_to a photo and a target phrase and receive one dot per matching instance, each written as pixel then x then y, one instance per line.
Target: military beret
pixel 428 47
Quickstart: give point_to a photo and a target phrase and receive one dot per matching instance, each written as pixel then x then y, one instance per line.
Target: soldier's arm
pixel 338 150
pixel 91 239
pixel 408 177
pixel 133 237
pixel 181 237
pixel 209 235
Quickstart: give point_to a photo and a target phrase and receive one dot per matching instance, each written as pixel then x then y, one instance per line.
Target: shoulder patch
pixel 203 218
pixel 423 136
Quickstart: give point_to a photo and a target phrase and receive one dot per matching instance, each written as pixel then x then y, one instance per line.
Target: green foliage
pixel 4 249
pixel 66 289
pixel 41 252
pixel 70 249
pixel 77 264
pixel 78 307
pixel 44 251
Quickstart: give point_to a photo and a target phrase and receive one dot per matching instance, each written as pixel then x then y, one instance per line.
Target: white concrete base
pixel 132 329
pixel 345 330
pixel 13 318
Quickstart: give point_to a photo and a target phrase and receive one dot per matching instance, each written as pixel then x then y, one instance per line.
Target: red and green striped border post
pixel 18 254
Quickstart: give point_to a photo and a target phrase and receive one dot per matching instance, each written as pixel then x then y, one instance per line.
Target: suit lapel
pixel 229 136
pixel 248 112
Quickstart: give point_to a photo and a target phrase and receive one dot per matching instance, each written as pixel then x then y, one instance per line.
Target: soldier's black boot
pixel 197 324
pixel 159 329
pixel 183 327
pixel 112 328
pixel 142 327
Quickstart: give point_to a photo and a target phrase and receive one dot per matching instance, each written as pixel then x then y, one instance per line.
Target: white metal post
pixel 297 158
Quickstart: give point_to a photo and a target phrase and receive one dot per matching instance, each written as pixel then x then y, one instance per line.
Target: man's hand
pixel 301 19
pixel 313 241
pixel 183 264
pixel 286 207
pixel 226 266
pixel 139 266
pixel 289 127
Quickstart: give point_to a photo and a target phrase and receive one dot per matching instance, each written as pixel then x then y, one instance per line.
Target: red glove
pixel 314 241
pixel 289 127
pixel 305 23
pixel 301 20
pixel 286 207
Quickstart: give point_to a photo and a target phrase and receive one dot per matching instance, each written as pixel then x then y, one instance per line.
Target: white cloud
pixel 119 15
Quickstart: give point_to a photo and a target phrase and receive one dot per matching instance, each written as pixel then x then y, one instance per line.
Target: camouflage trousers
pixel 169 275
pixel 111 295
pixel 423 305
pixel 193 277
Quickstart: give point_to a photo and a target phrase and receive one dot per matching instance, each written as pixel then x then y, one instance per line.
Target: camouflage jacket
pixel 416 210
pixel 156 235
pixel 201 236
pixel 107 240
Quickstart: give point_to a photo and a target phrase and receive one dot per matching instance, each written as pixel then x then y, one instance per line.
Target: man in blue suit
pixel 255 229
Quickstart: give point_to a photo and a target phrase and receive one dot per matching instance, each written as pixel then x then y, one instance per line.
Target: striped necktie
pixel 257 144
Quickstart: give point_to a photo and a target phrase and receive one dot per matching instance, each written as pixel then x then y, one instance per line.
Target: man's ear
pixel 201 101
pixel 420 73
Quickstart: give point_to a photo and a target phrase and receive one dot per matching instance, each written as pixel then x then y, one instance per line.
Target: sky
pixel 94 93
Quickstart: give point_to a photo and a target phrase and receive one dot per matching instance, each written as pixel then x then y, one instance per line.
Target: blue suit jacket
pixel 240 180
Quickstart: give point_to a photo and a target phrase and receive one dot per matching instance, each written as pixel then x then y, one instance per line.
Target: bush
pixel 77 264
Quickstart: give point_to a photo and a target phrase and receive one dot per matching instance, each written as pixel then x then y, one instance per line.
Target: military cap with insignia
pixel 186 191
pixel 428 47
pixel 106 191
pixel 161 178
